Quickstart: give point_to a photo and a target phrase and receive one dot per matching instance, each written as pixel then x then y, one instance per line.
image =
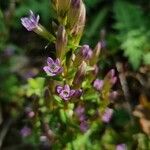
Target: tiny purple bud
pixel 84 126
pixel 98 84
pixel 78 93
pixel 107 115
pixel 65 92
pixel 86 52
pixel 25 131
pixel 54 67
pixel 31 22
pixel 121 147
pixel 80 74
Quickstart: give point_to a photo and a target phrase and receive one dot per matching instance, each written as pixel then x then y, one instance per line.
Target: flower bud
pixel 79 77
pixel 61 42
pixel 61 7
pixel 95 55
pixel 98 84
pixel 107 115
pixel 73 13
pixel 110 77
pixel 77 29
pixel 84 54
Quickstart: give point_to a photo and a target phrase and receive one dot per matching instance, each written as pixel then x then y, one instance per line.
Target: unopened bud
pixel 73 13
pixel 84 54
pixel 77 29
pixel 79 77
pixel 98 84
pixel 96 54
pixel 110 74
pixel 61 7
pixel 61 42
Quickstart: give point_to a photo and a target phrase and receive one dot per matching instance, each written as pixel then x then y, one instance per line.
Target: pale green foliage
pixel 35 86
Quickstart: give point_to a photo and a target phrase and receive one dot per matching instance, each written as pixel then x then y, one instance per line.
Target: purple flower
pixel 54 67
pixel 25 131
pixel 107 115
pixel 121 147
pixel 31 22
pixel 98 84
pixel 65 92
pixel 86 52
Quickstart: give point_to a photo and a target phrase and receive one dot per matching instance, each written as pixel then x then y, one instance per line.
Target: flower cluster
pixel 73 85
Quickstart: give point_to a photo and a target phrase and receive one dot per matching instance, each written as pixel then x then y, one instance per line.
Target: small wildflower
pixel 107 115
pixel 65 92
pixel 98 84
pixel 121 147
pixel 31 22
pixel 54 67
pixel 25 131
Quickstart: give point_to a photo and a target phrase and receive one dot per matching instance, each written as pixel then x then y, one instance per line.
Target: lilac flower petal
pixel 50 61
pixel 59 88
pixel 57 61
pixel 67 88
pixel 48 71
pixel 72 92
pixel 31 22
pixel 60 70
pixel 64 95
